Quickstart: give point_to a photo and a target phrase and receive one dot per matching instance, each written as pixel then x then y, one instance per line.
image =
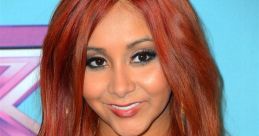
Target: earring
pixel 183 117
pixel 97 127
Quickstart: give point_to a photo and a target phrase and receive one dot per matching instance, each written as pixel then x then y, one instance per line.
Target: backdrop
pixel 231 26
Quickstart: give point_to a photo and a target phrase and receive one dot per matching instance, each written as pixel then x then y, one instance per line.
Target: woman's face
pixel 124 82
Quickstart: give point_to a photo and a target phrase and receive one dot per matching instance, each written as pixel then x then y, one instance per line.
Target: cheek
pixel 94 85
pixel 153 80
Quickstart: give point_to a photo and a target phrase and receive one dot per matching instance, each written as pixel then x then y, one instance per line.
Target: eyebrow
pixel 95 49
pixel 129 46
pixel 134 43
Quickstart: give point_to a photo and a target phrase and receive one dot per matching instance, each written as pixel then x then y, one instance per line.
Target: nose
pixel 121 83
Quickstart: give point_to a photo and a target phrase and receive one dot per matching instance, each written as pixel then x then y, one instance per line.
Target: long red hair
pixel 182 49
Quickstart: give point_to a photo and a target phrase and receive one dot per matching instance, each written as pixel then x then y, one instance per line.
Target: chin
pixel 127 130
pixel 129 133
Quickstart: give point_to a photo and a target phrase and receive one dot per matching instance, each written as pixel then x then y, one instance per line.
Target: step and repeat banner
pixel 232 28
pixel 19 89
pixel 23 25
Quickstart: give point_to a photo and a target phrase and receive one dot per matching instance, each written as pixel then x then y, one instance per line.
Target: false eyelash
pixel 150 52
pixel 90 59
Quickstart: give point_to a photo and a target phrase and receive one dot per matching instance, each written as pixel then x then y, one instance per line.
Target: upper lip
pixel 124 104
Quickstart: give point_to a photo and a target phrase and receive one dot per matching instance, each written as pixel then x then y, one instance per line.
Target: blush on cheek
pixel 94 84
pixel 153 80
pixel 93 91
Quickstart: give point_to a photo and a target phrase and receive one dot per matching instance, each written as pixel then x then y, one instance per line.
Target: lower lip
pixel 126 113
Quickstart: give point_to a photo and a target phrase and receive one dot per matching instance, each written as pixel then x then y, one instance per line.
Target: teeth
pixel 125 107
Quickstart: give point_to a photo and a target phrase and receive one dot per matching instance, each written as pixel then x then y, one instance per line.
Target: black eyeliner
pixel 150 52
pixel 94 58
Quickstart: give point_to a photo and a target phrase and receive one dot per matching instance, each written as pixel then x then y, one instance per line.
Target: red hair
pixel 182 49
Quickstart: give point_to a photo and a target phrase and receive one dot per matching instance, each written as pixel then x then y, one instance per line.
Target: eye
pixel 96 62
pixel 143 56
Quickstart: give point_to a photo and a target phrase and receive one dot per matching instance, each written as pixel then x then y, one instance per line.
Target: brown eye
pixel 143 56
pixel 96 62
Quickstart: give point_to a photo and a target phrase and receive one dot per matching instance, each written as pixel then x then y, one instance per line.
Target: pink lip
pixel 125 113
pixel 126 104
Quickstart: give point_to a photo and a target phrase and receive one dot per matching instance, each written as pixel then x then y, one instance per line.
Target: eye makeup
pixel 143 56
pixel 96 62
pixel 138 57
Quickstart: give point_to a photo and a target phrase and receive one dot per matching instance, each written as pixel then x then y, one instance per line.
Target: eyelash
pixel 149 53
pixel 146 54
pixel 96 60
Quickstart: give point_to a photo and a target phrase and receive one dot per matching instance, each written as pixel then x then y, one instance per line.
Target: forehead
pixel 121 25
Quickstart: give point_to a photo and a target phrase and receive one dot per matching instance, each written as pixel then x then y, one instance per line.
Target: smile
pixel 126 107
pixel 125 111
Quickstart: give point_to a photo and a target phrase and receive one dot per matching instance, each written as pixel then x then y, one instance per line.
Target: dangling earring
pixel 97 127
pixel 183 117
